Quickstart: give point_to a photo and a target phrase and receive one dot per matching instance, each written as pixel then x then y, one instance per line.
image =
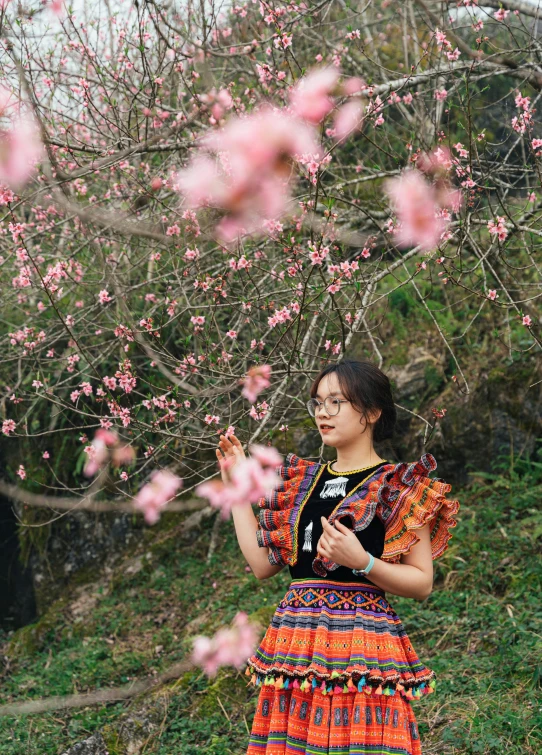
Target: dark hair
pixel 367 388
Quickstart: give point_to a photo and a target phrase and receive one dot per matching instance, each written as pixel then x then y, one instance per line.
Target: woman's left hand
pixel 340 545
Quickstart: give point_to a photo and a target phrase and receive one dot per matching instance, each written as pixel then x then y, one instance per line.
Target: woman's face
pixel 347 425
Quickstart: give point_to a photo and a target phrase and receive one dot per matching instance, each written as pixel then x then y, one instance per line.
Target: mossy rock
pixel 31 638
pixel 113 741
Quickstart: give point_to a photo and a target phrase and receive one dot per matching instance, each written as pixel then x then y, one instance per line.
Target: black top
pixel 332 487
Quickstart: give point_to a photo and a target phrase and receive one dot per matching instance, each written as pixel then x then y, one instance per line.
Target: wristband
pixel 363 572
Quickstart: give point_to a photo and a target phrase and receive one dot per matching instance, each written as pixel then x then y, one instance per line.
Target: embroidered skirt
pixel 337 673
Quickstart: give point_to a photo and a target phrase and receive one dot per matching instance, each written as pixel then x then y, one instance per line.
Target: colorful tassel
pixel 295 684
pixel 409 694
pixel 337 689
pixel 314 684
pixel 360 686
pixel 345 688
pixel 378 690
pixel 286 684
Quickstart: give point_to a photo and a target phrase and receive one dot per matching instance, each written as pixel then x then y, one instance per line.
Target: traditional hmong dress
pixel 336 669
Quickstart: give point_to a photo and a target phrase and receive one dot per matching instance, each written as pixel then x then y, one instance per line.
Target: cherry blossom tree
pixel 200 206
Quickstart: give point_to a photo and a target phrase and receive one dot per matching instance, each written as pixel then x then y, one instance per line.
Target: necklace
pixel 352 471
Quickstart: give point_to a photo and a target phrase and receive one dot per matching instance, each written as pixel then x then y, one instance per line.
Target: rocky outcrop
pixel 94 745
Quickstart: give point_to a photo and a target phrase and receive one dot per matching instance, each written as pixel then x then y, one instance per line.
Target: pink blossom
pixel 310 98
pixel 21 472
pixel 8 426
pixel 154 495
pixel 353 85
pixel 526 320
pixel 249 480
pixel 57 6
pixel 228 647
pixel 492 294
pixel 437 162
pixel 97 452
pixel 416 207
pixel 348 118
pixel 104 297
pixel 268 456
pixel 498 228
pixel 250 181
pixel 255 381
pixel 122 455
pixel 45 455
pixel 20 150
pixel 501 14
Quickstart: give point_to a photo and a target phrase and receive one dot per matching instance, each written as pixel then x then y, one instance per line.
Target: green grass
pixel 480 630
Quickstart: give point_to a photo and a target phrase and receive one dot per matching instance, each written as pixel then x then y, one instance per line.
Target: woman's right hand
pixel 229 448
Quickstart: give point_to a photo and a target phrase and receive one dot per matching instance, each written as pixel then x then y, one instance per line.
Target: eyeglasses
pixel 331 405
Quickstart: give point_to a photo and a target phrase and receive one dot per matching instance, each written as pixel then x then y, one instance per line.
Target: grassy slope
pixel 481 630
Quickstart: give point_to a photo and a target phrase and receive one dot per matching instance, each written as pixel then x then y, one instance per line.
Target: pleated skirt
pixel 336 674
pixel 291 722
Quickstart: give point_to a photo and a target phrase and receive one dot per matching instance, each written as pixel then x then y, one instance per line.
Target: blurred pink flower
pixel 416 206
pixel 154 495
pixel 228 647
pixel 310 98
pixel 122 455
pixel 250 479
pixel 255 381
pixel 97 452
pixel 437 162
pixel 106 447
pixel 20 150
pixel 353 85
pixel 250 177
pixel 268 456
pixel 348 118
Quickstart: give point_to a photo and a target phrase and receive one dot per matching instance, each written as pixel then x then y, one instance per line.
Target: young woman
pixel 336 669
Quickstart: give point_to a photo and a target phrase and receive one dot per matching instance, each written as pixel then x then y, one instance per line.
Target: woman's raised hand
pixel 229 448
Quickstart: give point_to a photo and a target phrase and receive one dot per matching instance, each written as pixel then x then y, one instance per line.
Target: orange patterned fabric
pixel 337 636
pixel 291 722
pixel 407 500
pixel 401 495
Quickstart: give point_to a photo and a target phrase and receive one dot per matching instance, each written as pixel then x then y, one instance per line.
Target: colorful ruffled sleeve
pixel 278 510
pixel 407 500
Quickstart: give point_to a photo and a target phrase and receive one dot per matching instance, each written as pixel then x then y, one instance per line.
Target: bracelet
pixel 363 572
